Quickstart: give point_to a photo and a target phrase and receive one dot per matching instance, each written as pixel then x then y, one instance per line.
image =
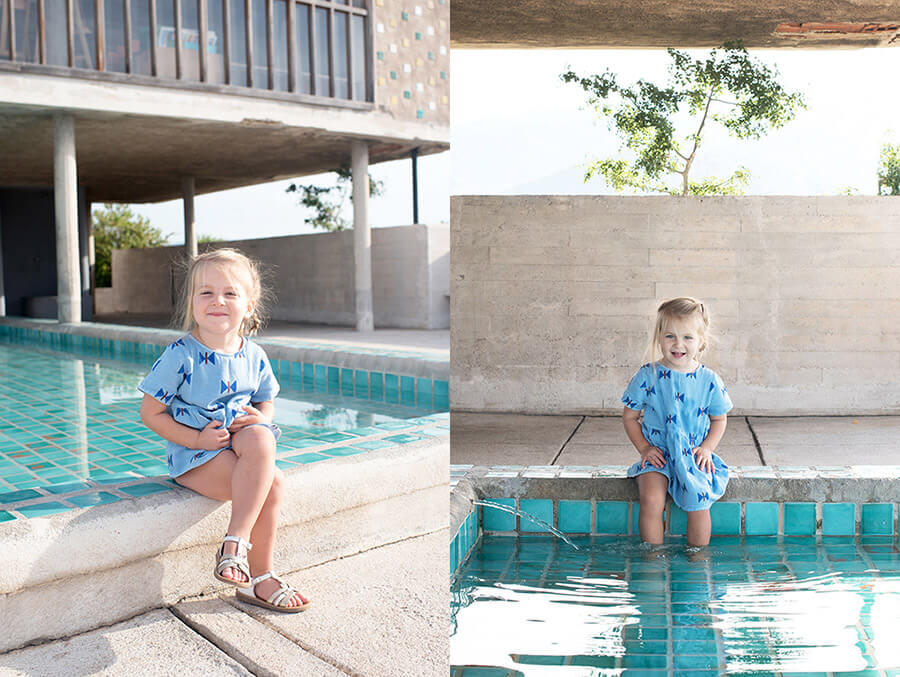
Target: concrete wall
pixel 311 276
pixel 553 297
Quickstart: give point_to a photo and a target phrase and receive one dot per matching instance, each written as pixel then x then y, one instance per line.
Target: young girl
pixel 684 406
pixel 210 396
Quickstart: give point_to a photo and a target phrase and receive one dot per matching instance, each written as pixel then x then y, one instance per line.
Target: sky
pixel 516 128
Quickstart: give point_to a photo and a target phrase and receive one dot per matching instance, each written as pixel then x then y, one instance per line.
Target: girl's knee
pixel 255 440
pixel 276 492
pixel 653 502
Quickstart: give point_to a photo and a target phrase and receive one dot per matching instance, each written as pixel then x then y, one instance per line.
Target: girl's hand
pixel 653 456
pixel 212 437
pixel 703 457
pixel 252 417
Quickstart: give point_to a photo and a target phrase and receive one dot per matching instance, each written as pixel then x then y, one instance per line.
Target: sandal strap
pixel 262 577
pixel 281 595
pixel 233 562
pixel 240 541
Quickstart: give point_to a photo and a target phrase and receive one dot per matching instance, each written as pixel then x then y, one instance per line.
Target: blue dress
pixel 199 385
pixel 677 407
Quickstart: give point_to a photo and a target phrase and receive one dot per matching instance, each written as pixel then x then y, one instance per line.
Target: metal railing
pixel 309 47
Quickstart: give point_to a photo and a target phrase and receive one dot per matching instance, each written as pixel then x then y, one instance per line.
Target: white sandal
pixel 237 561
pixel 278 600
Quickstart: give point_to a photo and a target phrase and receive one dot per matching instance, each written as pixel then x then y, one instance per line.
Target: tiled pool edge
pixel 330 510
pixel 759 501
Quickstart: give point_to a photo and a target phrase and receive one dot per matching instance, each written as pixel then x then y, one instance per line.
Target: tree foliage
pixel 889 170
pixel 115 226
pixel 328 202
pixel 728 87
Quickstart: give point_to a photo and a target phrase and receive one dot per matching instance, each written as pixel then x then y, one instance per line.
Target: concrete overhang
pixel 661 23
pixel 134 143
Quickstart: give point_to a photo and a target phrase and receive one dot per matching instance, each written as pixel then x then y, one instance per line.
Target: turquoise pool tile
pixel 838 519
pixel 574 517
pixel 376 385
pixel 726 518
pixel 334 437
pixel 361 379
pixel 646 661
pixel 677 521
pixel 15 496
pixel 347 382
pixel 423 392
pixel 391 388
pixel 761 519
pixel 283 464
pixel 541 508
pixel 877 518
pixel 494 519
pixel 309 457
pixel 43 509
pixel 363 432
pixel 309 374
pixel 87 500
pixel 334 376
pixel 370 445
pixel 688 662
pixel 296 374
pixel 343 451
pixel 611 517
pixel 144 489
pixel 403 438
pixel 6 517
pixel 799 519
pixel 454 556
pixel 321 375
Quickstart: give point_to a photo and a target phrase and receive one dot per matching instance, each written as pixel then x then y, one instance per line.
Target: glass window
pixel 323 42
pixel 26 22
pixel 359 57
pixel 85 38
pixel 215 42
pixel 280 67
pixel 165 38
pixel 359 3
pixel 238 43
pixel 140 37
pixel 56 32
pixel 190 40
pixel 341 57
pixel 114 19
pixel 4 30
pixel 260 54
pixel 304 75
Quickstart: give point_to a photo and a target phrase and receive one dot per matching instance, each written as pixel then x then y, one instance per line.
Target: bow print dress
pixel 677 407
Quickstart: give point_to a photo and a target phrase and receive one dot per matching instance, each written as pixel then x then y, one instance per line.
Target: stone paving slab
pixel 517 439
pixel 383 613
pixel 154 644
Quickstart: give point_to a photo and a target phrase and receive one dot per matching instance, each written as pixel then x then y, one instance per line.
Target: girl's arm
pixel 705 451
pixel 649 453
pixel 155 416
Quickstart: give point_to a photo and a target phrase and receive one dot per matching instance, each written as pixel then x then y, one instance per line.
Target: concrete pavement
pixel 517 439
pixel 380 612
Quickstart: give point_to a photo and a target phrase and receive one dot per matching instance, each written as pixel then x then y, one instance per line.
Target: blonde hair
pixel 681 308
pixel 225 258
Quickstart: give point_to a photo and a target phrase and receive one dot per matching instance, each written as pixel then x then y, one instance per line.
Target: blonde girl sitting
pixel 210 396
pixel 684 406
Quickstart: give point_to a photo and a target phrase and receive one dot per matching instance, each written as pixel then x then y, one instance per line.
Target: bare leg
pixel 698 528
pixel 252 477
pixel 653 487
pixel 214 479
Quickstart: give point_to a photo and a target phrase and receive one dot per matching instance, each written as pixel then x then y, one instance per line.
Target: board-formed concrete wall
pixel 552 298
pixel 312 277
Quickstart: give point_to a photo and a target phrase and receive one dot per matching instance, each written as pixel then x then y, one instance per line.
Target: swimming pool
pixel 533 606
pixel 70 428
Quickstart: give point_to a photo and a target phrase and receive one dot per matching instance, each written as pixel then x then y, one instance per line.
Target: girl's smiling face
pixel 681 341
pixel 220 303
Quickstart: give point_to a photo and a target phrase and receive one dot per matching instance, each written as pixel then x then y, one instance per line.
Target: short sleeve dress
pixel 199 385
pixel 677 407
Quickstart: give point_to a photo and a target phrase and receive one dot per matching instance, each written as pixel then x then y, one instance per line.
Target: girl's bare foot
pixel 267 587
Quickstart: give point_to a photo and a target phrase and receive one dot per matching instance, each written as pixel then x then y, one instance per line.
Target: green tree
pixel 889 170
pixel 117 227
pixel 328 202
pixel 663 127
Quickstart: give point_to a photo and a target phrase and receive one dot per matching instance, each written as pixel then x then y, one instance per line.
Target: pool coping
pixel 330 510
pixel 817 501
pixel 411 362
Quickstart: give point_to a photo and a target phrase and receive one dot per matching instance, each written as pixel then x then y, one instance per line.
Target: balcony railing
pixel 306 47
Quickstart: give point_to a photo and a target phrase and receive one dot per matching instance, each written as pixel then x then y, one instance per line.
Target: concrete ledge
pixel 388 360
pixel 114 561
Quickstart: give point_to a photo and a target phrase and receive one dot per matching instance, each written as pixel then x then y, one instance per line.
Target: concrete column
pixel 2 288
pixel 65 197
pixel 362 236
pixel 190 234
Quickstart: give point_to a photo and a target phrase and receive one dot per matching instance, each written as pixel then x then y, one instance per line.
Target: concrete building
pixel 115 101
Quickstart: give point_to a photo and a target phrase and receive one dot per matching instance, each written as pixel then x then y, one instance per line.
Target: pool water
pixel 756 605
pixel 66 417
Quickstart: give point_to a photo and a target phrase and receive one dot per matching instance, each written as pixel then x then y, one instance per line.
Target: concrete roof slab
pixel 660 23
